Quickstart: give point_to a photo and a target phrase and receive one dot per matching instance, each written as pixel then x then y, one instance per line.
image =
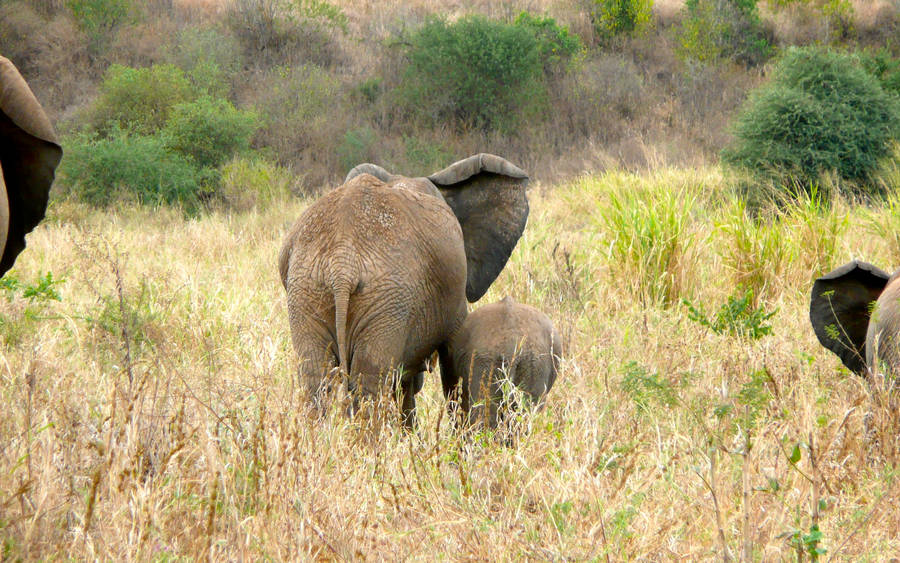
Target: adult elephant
pixel 855 313
pixel 377 272
pixel 29 155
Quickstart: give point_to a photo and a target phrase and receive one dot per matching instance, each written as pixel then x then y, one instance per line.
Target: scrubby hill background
pixel 331 85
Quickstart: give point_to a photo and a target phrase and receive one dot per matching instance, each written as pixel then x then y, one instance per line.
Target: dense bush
pixel 475 72
pixel 139 99
pixel 154 140
pixel 821 112
pixel 884 67
pixel 556 45
pixel 103 170
pixel 99 18
pixel 209 131
pixel 724 29
pixel 20 26
pixel 612 18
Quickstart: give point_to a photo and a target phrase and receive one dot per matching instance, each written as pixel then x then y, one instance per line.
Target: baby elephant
pixel 501 343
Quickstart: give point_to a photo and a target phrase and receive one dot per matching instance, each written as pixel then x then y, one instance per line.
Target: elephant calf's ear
pixel 840 307
pixel 487 194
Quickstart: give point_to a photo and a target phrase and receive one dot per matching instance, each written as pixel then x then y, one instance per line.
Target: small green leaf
pixel 795 455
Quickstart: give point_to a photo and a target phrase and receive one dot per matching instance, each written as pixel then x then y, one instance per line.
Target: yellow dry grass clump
pixel 152 412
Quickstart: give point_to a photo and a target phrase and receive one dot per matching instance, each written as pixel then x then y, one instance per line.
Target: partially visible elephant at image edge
pixel 499 343
pixel 377 271
pixel 855 313
pixel 29 154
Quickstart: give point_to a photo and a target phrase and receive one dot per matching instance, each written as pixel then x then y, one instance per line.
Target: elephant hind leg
pixel 317 368
pixel 409 386
pixel 376 369
pixel 482 387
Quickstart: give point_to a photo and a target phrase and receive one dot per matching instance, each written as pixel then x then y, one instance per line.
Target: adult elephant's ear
pixel 29 154
pixel 840 307
pixel 487 194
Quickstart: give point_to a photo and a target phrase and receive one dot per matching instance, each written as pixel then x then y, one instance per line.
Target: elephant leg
pixel 407 398
pixel 449 373
pixel 311 318
pixel 457 395
pixel 482 388
pixel 376 368
pixel 317 365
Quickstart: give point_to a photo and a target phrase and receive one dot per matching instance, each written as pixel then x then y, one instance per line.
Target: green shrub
pixel 613 18
pixel 209 131
pixel 41 291
pixel 17 322
pixel 821 112
pixel 320 13
pixel 556 46
pixel 103 170
pixel 99 18
pixel 139 100
pixel 473 72
pixel 368 91
pixel 724 29
pixel 737 317
pixel 884 67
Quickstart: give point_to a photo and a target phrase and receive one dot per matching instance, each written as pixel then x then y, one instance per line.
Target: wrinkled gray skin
pixel 29 155
pixel 497 342
pixel 377 272
pixel 855 313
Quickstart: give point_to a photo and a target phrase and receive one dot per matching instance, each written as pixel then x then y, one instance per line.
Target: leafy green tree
pixel 614 18
pixel 100 18
pixel 724 29
pixel 475 72
pixel 102 170
pixel 821 112
pixel 210 131
pixel 139 99
pixel 884 67
pixel 483 74
pixel 556 45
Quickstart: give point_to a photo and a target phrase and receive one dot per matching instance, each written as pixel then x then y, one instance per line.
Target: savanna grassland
pixel 152 410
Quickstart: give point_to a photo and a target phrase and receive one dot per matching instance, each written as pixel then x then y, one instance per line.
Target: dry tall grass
pixel 153 413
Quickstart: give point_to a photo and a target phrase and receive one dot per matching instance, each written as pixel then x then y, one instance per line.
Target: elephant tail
pixel 341 289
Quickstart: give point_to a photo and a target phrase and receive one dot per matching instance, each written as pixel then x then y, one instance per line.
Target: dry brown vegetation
pixel 634 104
pixel 153 412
